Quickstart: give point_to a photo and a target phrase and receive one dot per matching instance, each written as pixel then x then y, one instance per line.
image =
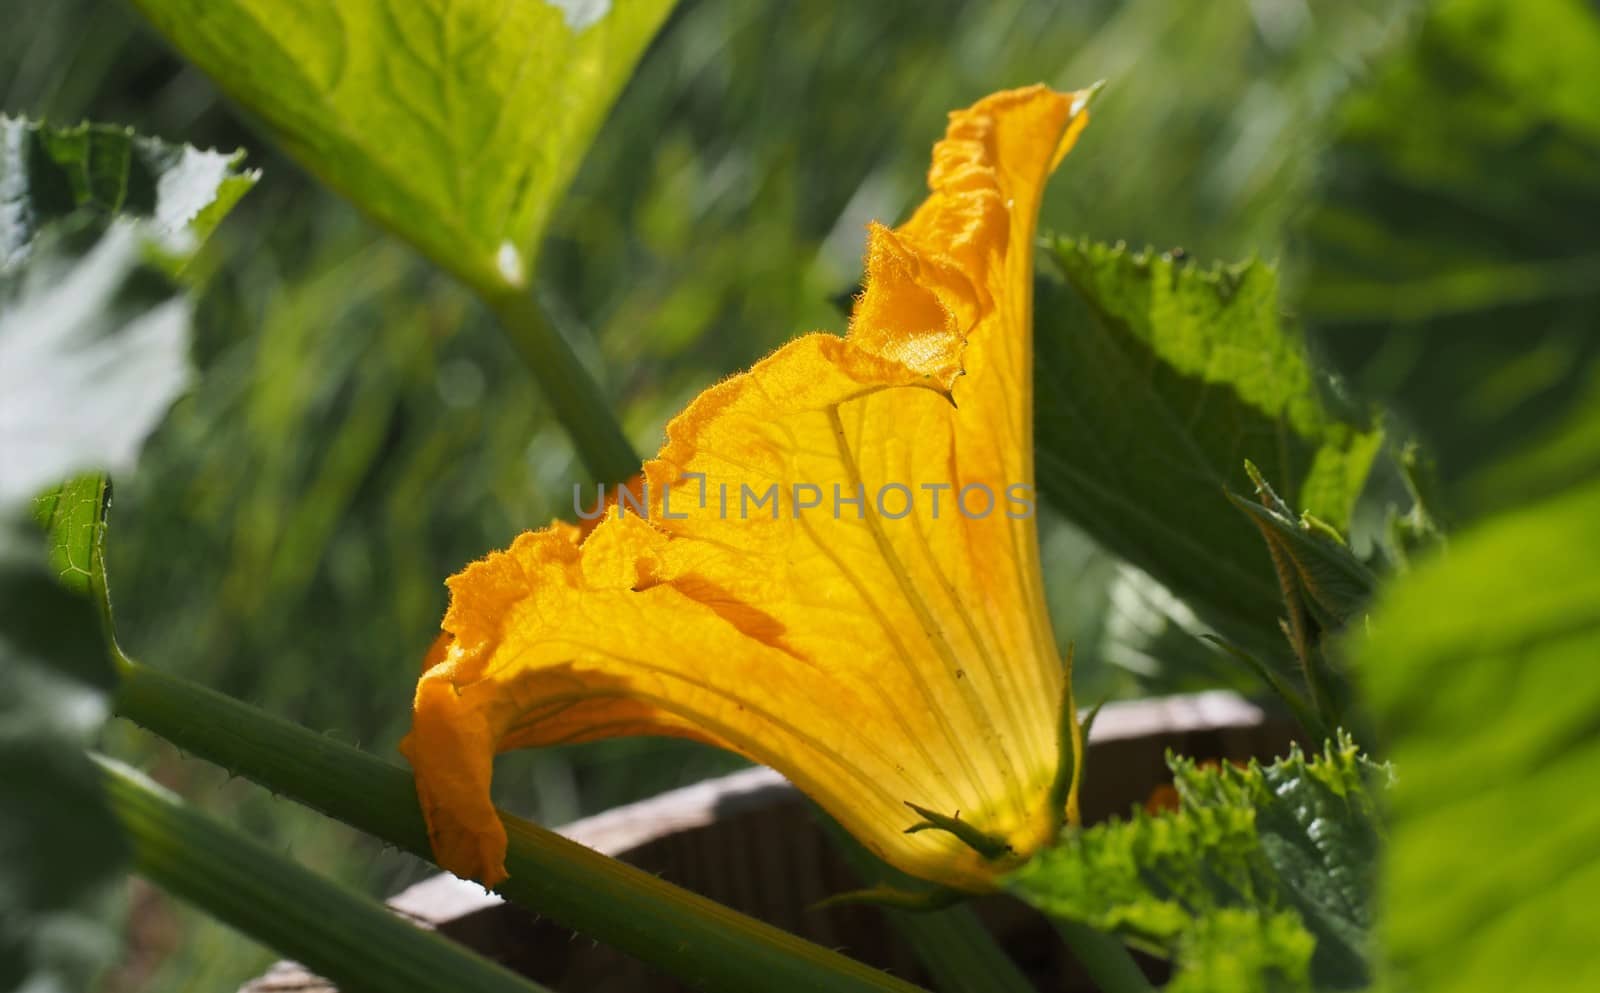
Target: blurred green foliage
pixel 1484 686
pixel 59 918
pixel 361 429
pixel 1452 270
pixel 94 347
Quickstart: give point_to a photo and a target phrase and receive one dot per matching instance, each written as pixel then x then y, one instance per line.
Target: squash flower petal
pixel 835 572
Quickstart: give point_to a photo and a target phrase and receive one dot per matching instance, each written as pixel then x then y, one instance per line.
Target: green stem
pixel 958 951
pixel 356 942
pixel 709 946
pixel 1104 958
pixel 952 943
pixel 1308 719
pixel 567 386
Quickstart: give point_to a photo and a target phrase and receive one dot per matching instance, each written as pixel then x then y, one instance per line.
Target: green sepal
pixel 1067 757
pixel 981 842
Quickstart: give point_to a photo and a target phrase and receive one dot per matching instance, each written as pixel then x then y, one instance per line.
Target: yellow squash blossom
pixel 833 569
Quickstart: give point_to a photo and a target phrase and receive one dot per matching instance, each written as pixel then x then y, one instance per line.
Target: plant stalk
pixel 354 941
pixel 703 943
pixel 1106 959
pixel 951 942
pixel 958 951
pixel 566 385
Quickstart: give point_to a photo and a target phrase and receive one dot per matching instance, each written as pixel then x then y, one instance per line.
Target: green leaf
pixel 1453 270
pixel 1480 667
pixel 1155 381
pixel 1257 882
pixel 73 518
pixel 93 344
pixel 1328 578
pixel 175 194
pixel 456 124
pixel 1324 588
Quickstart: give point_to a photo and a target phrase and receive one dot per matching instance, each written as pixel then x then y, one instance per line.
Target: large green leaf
pixel 1453 266
pixel 1156 380
pixel 1259 881
pixel 457 123
pixel 1480 667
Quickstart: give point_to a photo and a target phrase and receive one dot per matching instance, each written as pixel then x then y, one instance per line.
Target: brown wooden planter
pixel 747 840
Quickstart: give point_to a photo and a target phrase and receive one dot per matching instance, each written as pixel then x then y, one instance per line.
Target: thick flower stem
pixel 354 941
pixel 951 942
pixel 1104 958
pixel 566 385
pixel 705 944
pixel 958 951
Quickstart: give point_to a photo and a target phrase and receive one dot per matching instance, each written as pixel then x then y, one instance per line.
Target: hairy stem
pixel 356 942
pixel 709 946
